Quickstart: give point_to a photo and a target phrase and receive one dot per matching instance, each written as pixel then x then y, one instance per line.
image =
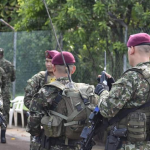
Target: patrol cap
pixel 138 39
pixel 58 60
pixel 1 51
pixel 50 53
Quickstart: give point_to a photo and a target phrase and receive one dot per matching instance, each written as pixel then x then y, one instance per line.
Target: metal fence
pixel 26 51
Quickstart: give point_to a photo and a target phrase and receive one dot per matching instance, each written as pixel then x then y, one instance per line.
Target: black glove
pixel 109 82
pixel 100 88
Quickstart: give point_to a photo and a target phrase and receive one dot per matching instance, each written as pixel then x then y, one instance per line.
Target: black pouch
pixel 112 143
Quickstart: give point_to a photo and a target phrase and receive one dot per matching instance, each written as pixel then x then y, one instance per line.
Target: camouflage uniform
pixel 2 86
pixel 35 84
pixel 131 90
pixel 10 77
pixel 43 98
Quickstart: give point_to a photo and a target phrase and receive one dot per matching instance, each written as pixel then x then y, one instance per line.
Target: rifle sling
pixel 124 112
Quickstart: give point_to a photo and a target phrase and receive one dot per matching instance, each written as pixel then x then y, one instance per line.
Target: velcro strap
pixel 59 115
pixel 74 123
pixel 136 136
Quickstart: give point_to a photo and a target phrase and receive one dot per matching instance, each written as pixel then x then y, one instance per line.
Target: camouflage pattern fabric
pixel 35 84
pixel 2 86
pixel 131 90
pixel 57 147
pixel 10 77
pixel 44 98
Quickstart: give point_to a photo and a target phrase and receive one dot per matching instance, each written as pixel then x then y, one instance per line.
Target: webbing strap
pixel 58 114
pixel 135 136
pixel 57 84
pixel 124 112
pixel 71 123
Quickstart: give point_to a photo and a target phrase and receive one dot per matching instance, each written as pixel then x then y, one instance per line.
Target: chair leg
pixel 10 117
pixel 16 118
pixel 22 118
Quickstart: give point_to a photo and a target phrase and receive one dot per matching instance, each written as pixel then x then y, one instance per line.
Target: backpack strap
pixel 58 85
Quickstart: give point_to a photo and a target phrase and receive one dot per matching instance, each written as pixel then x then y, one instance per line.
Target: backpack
pixel 78 105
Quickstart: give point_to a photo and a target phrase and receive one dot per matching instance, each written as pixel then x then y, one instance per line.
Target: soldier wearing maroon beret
pixel 60 108
pixel 37 81
pixel 126 102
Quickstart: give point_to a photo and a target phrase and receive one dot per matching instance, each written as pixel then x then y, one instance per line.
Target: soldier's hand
pixel 100 88
pixel 110 80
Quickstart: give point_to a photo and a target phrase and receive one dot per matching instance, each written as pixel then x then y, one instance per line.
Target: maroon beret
pixel 138 39
pixel 58 60
pixel 50 53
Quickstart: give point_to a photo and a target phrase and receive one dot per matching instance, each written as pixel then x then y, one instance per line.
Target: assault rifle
pixel 95 120
pixel 88 132
pixel 2 120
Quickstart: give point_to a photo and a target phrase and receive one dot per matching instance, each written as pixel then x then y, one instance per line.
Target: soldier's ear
pixel 73 69
pixel 54 68
pixel 132 50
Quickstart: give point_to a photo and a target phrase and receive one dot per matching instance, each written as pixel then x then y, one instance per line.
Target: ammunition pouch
pixel 136 127
pixel 52 125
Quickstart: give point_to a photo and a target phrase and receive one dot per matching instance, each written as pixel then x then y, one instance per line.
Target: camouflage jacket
pixel 131 90
pixel 9 70
pixel 2 84
pixel 35 84
pixel 2 78
pixel 43 99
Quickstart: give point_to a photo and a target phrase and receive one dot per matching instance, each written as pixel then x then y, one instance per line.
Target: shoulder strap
pixel 46 74
pixel 124 112
pixel 58 85
pixel 133 69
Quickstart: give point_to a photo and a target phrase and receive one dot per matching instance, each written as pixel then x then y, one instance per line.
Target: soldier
pixel 128 94
pixel 61 107
pixel 36 82
pixel 10 77
pixel 2 86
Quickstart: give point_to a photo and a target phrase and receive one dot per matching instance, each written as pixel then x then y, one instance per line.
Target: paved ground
pixel 18 139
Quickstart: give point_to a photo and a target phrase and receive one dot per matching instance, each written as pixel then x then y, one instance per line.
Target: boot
pixel 3 139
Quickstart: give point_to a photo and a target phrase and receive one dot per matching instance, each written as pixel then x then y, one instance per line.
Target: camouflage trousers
pixel 34 145
pixel 6 108
pixel 145 145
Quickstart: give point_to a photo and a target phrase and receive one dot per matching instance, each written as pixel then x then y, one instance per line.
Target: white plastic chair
pixel 17 108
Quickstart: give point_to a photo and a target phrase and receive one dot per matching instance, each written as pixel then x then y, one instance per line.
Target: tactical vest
pixel 138 122
pixel 78 109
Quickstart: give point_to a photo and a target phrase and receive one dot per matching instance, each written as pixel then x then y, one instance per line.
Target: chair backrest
pixel 18 103
pixel 17 99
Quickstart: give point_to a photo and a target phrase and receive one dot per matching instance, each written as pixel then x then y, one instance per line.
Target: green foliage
pixel 89 28
pixel 8 12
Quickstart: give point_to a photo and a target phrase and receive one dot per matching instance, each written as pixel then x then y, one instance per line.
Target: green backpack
pixel 78 105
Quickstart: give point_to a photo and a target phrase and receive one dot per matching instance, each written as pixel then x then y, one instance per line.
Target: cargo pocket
pixel 52 125
pixel 136 127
